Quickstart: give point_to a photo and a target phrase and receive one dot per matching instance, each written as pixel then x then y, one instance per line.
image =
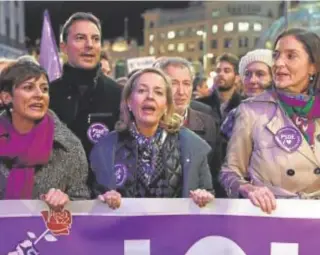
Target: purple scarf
pixel 26 152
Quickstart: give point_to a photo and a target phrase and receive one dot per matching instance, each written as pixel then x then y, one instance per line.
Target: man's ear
pixel 63 47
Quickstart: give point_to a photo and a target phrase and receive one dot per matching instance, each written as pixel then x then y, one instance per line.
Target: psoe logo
pixel 96 131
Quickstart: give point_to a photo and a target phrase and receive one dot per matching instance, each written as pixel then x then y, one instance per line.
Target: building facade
pixel 305 14
pixel 203 31
pixel 12 29
pixel 119 51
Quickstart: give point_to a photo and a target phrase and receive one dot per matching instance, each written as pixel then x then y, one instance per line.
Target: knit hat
pixel 259 55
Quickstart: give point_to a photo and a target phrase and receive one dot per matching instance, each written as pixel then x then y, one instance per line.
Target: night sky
pixel 111 14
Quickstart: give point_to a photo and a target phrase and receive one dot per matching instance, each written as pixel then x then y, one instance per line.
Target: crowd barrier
pixel 160 227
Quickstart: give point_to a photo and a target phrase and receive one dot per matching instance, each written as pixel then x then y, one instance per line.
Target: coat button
pixel 317 171
pixel 290 172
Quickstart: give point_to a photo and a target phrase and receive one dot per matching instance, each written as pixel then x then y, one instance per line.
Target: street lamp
pixel 204 48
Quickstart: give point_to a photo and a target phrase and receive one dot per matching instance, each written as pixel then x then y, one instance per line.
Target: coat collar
pixel 127 141
pixel 61 133
pixel 234 101
pixel 195 123
pixel 263 97
pixel 279 119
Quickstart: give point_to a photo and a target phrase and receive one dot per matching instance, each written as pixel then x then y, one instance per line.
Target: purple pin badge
pixel 96 131
pixel 288 138
pixel 121 173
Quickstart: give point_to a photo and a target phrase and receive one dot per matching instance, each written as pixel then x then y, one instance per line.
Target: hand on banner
pixel 259 196
pixel 201 197
pixel 112 198
pixel 55 199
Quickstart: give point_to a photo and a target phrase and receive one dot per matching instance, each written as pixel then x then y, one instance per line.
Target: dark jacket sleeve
pixel 101 164
pixel 199 149
pixel 205 179
pixel 215 160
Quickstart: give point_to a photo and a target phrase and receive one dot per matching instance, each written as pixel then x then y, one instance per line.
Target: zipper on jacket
pixel 99 115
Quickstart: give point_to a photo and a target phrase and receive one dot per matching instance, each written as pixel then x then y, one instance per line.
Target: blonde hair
pixel 170 121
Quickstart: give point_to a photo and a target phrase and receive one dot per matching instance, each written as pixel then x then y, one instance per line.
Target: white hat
pixel 259 55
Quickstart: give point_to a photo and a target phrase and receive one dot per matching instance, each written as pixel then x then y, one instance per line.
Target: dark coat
pixel 194 151
pixel 207 109
pixel 206 127
pixel 214 102
pixel 99 103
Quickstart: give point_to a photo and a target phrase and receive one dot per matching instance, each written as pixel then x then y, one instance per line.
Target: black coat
pixel 206 127
pixel 79 108
pixel 214 102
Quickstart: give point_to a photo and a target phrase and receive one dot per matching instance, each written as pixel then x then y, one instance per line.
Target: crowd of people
pixel 161 132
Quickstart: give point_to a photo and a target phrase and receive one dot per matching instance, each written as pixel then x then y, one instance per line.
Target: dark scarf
pixel 79 74
pixel 148 153
pixel 25 152
pixel 303 110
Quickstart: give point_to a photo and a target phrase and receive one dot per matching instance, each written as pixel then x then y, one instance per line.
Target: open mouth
pixel 88 56
pixel 149 109
pixel 37 107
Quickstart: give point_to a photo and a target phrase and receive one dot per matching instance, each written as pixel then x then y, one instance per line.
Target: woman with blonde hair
pixel 150 154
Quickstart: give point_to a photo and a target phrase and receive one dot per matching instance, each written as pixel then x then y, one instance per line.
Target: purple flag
pixel 49 57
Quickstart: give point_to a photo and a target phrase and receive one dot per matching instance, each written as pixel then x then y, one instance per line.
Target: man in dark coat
pixel 181 73
pixel 226 96
pixel 86 100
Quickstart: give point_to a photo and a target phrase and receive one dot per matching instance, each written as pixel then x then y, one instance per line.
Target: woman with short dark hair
pixel 39 156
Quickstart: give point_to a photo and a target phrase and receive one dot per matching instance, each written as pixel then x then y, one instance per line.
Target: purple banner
pixel 49 58
pixel 192 234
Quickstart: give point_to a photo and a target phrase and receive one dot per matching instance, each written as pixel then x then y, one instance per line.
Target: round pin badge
pixel 288 138
pixel 121 173
pixel 96 131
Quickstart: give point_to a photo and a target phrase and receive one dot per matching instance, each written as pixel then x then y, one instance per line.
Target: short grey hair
pixel 163 62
